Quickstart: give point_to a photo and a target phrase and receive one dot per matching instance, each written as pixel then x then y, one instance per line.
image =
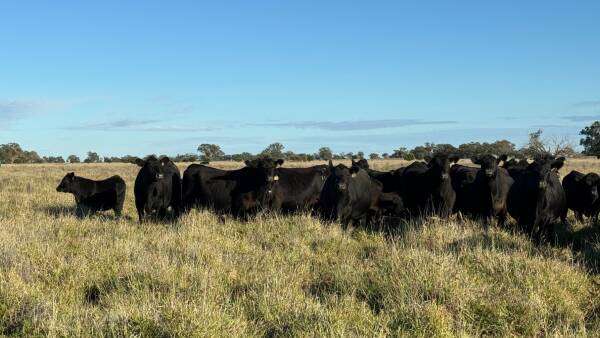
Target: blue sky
pixel 141 77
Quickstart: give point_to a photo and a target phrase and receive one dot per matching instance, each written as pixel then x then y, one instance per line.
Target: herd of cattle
pixel 531 192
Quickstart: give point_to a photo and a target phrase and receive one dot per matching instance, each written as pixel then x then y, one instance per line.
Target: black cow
pixel 515 167
pixel 298 189
pixel 427 187
pixel 238 192
pixel 157 188
pixel 391 180
pixel 92 196
pixel 582 194
pixel 482 192
pixel 536 198
pixel 349 195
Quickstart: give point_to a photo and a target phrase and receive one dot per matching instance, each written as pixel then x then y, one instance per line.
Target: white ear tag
pixel 275 178
pixel 354 175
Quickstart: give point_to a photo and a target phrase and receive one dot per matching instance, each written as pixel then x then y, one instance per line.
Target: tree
pixel 360 155
pixel 556 146
pixel 29 157
pixel 420 152
pixel 374 156
pixel 10 152
pixel 445 148
pixel 325 153
pixel 185 158
pixel 242 157
pixel 274 150
pixel 535 146
pixel 409 157
pixel 560 146
pixel 591 139
pixel 210 152
pixel 400 152
pixel 503 147
pixel 73 159
pixel 54 159
pixel 92 157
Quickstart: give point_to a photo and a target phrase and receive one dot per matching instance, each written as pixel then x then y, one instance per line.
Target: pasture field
pixel 279 275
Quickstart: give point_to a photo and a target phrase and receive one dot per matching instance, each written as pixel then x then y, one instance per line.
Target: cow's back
pixel 298 188
pixel 202 187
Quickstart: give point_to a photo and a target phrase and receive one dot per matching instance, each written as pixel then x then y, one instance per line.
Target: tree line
pixel 536 145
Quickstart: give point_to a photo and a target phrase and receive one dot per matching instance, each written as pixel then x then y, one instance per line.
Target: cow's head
pixel 154 167
pixel 440 164
pixel 266 174
pixel 362 163
pixel 543 169
pixel 67 183
pixel 341 176
pixel 489 164
pixel 591 182
pixel 154 174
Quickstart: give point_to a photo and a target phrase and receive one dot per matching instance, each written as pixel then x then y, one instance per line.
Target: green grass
pixel 277 276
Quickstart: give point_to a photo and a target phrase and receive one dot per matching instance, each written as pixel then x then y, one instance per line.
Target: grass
pixel 278 276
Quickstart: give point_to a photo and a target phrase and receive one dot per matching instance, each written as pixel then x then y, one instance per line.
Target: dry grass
pixel 277 276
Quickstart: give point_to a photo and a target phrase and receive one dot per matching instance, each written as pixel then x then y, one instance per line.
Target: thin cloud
pixel 136 125
pixel 117 124
pixel 175 129
pixel 587 104
pixel 11 110
pixel 582 118
pixel 352 125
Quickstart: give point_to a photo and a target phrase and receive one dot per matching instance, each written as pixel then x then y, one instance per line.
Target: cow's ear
pixel 71 175
pixel 475 160
pixel 354 170
pixel 140 162
pixel 454 158
pixel 279 162
pixel 558 163
pixel 502 158
pixel 165 160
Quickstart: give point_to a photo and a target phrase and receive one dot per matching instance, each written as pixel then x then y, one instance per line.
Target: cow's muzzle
pixel 543 185
pixel 342 186
pixel 445 176
pixel 489 172
pixel 160 176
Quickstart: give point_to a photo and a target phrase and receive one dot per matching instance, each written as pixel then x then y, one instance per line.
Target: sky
pixel 141 77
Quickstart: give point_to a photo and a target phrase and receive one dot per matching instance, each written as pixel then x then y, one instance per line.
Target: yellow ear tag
pixel 353 175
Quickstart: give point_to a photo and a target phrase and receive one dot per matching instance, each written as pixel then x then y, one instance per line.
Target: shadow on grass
pixel 59 212
pixel 585 242
pixel 489 241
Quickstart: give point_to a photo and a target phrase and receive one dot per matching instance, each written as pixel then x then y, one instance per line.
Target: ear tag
pixel 275 178
pixel 354 175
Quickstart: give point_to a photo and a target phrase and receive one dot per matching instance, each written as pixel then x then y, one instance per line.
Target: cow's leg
pixel 578 216
pixel 176 198
pixel 118 208
pixel 140 211
pixel 83 210
pixel 161 213
pixel 502 218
